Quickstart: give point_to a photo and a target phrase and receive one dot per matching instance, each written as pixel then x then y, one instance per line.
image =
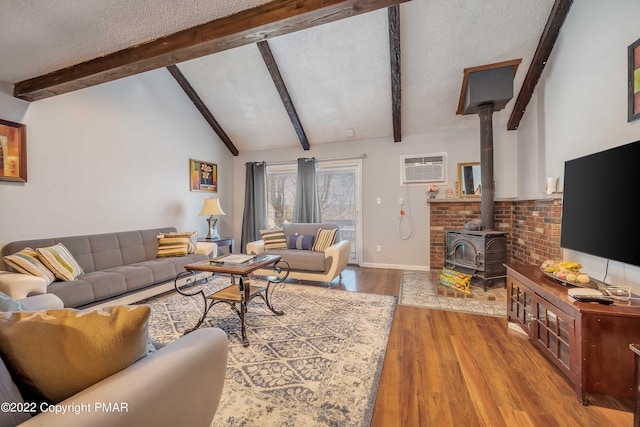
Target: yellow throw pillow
pixel 59 260
pixel 273 239
pixel 172 246
pixel 324 239
pixel 192 243
pixel 57 353
pixel 26 261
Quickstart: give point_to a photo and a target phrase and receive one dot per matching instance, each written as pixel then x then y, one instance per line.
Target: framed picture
pixel 204 176
pixel 13 151
pixel 634 81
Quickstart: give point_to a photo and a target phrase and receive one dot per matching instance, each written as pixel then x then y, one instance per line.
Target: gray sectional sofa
pixel 115 265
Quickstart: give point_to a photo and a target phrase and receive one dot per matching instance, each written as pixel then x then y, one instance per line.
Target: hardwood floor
pixel 455 369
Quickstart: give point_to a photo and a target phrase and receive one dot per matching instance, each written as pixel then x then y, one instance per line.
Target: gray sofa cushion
pixel 180 261
pixel 89 288
pixel 135 276
pixel 161 269
pixel 300 260
pixel 167 268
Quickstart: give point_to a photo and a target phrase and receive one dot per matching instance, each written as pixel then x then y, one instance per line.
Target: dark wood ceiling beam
pixel 197 101
pixel 394 49
pixel 272 66
pixel 548 39
pixel 249 26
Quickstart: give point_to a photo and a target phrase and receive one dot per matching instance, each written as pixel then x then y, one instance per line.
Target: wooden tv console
pixel 588 342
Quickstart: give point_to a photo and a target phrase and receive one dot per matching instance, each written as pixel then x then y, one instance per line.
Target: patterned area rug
pixel 317 365
pixel 423 289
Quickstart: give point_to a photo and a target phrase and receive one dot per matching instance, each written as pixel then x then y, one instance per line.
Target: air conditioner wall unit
pixel 423 168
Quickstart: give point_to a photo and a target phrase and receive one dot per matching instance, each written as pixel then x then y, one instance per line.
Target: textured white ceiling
pixel 44 36
pixel 337 74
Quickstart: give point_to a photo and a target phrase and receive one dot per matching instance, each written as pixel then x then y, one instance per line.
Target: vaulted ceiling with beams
pixel 285 73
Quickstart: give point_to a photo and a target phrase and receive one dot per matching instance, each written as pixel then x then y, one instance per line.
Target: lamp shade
pixel 211 207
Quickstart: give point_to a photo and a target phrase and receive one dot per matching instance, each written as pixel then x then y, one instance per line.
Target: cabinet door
pixel 553 332
pixel 519 304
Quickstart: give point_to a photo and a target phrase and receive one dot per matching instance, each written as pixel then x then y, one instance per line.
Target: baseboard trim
pixel 396 266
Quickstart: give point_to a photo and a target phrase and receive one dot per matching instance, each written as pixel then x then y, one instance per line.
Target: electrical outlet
pixel 401 200
pixel 378 200
pixel 378 248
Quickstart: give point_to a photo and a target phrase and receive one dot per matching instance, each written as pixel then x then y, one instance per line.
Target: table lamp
pixel 212 207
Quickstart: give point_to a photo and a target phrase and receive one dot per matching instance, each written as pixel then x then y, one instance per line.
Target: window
pixel 338 190
pixel 281 195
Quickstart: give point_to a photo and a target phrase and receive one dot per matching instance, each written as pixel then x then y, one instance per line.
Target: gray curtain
pixel 306 207
pixel 255 203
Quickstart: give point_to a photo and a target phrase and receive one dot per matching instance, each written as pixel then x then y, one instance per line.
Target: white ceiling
pixel 338 74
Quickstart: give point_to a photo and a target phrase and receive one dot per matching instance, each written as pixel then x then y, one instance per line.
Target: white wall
pixel 381 178
pixel 580 105
pixel 113 157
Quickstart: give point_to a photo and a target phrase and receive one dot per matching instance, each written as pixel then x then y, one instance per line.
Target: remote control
pixel 593 298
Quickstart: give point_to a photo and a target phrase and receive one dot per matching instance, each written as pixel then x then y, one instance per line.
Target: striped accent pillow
pixel 274 239
pixel 172 246
pixel 26 261
pixel 324 239
pixel 192 244
pixel 59 260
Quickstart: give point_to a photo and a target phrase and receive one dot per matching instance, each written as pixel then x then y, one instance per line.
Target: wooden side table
pixel 228 242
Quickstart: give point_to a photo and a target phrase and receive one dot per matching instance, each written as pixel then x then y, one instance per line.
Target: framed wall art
pixel 204 176
pixel 634 81
pixel 13 151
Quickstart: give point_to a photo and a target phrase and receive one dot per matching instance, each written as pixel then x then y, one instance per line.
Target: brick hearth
pixel 532 226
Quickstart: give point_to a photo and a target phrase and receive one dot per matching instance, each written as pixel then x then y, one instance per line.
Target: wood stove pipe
pixel 486 89
pixel 485 112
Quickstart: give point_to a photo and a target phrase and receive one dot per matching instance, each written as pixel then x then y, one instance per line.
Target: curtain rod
pixel 286 162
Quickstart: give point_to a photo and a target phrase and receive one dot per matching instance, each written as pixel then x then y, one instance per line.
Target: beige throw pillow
pixel 57 353
pixel 59 260
pixel 26 261
pixel 324 239
pixel 273 239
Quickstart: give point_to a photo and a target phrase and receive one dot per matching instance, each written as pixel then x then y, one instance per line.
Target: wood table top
pixel 217 265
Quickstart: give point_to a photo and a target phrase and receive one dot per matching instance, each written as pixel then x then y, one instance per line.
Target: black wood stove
pixel 481 254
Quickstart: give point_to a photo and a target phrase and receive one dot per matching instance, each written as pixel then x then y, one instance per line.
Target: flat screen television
pixel 599 214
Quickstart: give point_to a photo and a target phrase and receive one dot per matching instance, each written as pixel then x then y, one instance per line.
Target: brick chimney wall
pixel 532 227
